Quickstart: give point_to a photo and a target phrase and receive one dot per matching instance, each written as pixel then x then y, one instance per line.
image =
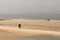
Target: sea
pixel 33 16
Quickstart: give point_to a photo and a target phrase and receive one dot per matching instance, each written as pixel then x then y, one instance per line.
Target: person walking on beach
pixel 19 25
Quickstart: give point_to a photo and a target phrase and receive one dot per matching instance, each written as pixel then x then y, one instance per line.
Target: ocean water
pixel 31 16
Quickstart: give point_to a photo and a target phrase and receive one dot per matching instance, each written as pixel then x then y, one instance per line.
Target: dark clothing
pixel 19 25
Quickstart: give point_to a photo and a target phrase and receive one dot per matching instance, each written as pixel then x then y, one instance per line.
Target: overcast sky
pixel 29 6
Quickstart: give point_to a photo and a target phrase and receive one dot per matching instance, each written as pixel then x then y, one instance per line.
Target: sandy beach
pixel 29 28
pixel 27 32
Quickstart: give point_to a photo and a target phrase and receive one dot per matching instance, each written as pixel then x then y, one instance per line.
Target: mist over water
pixel 31 16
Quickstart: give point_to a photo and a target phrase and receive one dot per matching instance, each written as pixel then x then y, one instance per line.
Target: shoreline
pixel 30 20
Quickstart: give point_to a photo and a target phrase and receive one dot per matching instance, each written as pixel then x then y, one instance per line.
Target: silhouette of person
pixel 48 19
pixel 19 25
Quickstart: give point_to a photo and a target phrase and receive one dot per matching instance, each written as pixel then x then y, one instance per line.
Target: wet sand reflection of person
pixel 19 25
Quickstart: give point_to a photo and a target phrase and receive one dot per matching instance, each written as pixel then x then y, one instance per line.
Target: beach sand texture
pixel 30 30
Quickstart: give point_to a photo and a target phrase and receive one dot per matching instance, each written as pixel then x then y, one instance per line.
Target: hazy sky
pixel 29 6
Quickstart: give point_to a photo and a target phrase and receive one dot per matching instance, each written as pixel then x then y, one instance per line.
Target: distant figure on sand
pixel 48 19
pixel 19 25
